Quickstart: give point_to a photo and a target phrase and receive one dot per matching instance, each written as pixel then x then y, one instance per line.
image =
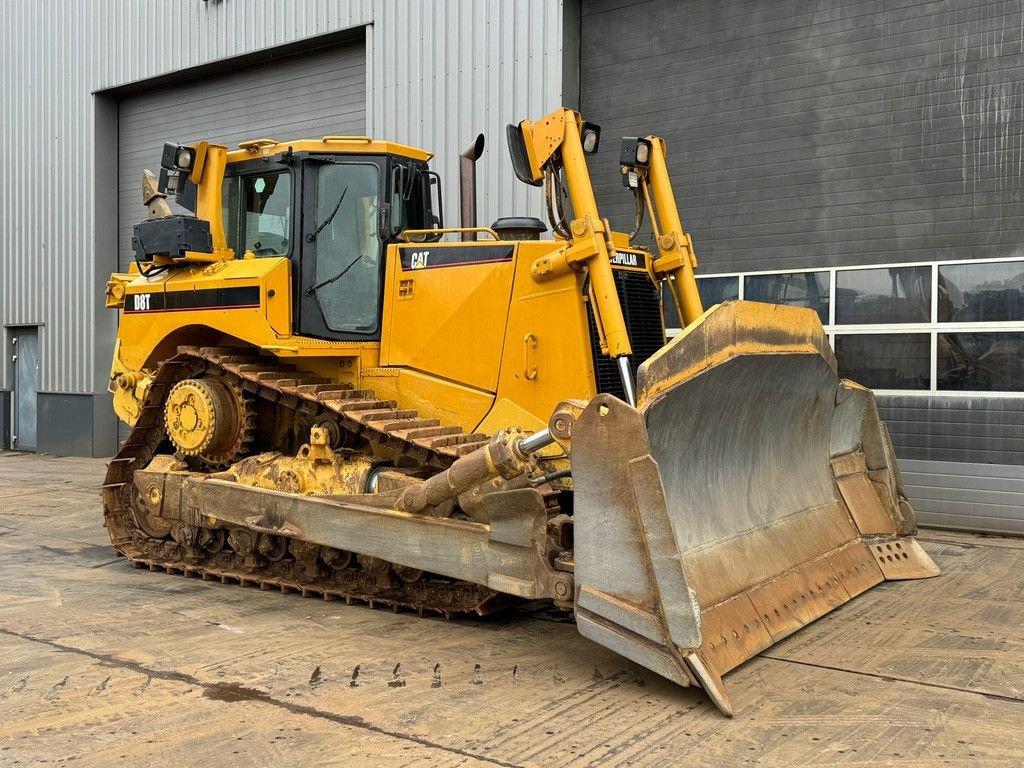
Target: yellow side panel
pixel 448 320
pixel 149 335
pixel 507 413
pixel 547 355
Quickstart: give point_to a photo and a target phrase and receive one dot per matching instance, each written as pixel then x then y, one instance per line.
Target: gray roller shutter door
pixel 304 96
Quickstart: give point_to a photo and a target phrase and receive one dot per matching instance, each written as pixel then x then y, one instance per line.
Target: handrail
pixel 360 139
pixel 447 231
pixel 255 144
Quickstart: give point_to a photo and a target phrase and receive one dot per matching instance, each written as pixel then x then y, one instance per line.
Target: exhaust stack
pixel 467 185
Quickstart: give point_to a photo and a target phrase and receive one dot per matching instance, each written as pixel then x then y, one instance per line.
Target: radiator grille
pixel 641 307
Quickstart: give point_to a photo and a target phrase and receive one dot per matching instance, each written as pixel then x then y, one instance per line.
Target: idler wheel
pixel 153 525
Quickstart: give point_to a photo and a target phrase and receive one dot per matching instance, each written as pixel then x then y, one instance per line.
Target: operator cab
pixel 331 206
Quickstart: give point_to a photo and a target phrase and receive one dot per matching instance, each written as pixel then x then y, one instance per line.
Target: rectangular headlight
pixel 590 137
pixel 177 157
pixel 635 153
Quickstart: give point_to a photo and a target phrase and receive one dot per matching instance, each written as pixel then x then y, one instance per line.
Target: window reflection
pixel 347 248
pixel 795 289
pixel 983 362
pixel 668 304
pixel 887 295
pixel 885 360
pixel 715 290
pixel 981 292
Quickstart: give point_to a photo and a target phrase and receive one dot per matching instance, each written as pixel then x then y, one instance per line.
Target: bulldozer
pixel 331 393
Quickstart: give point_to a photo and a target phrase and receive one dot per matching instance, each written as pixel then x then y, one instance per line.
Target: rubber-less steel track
pixel 294 566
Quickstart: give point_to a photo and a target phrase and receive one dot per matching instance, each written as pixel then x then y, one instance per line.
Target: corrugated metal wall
pixel 438 73
pixel 446 71
pixel 840 132
pixel 976 497
pixel 970 430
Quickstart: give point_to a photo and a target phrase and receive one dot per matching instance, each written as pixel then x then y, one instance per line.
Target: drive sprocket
pixel 210 418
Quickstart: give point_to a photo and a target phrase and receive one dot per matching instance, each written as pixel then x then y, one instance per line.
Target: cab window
pixel 258 213
pixel 347 280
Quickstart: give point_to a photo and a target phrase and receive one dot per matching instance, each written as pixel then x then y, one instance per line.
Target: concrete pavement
pixel 102 664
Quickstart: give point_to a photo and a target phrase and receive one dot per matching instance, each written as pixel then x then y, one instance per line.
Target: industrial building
pixel 864 159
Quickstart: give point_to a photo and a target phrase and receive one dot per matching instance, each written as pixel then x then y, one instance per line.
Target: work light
pixel 184 160
pixel 636 152
pixel 590 137
pixel 177 157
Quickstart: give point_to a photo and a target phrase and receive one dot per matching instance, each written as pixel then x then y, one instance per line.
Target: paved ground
pixel 101 664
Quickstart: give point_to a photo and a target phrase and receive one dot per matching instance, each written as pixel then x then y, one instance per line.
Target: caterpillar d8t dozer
pixel 330 393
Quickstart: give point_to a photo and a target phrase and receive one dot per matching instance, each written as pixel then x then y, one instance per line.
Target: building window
pixel 980 362
pixel 885 360
pixel 794 289
pixel 668 308
pixel 715 290
pixel 973 293
pixel 889 295
pixel 935 328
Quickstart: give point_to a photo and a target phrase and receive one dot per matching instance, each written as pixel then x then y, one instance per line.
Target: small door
pixel 25 357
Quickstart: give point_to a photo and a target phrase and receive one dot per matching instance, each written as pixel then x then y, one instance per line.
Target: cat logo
pixel 625 260
pixel 418 259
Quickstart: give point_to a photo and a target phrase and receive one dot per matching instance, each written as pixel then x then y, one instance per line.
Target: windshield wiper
pixel 316 286
pixel 312 235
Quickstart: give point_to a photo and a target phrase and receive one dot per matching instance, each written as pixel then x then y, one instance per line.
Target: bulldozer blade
pixel 750 492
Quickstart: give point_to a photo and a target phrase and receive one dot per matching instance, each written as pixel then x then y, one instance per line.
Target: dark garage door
pixel 836 133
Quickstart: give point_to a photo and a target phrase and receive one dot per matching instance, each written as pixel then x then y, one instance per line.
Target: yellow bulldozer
pixel 331 393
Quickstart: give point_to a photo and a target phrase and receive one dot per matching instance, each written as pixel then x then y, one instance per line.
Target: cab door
pixel 341 266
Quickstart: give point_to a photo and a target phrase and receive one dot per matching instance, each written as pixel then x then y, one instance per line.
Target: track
pixel 241 556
